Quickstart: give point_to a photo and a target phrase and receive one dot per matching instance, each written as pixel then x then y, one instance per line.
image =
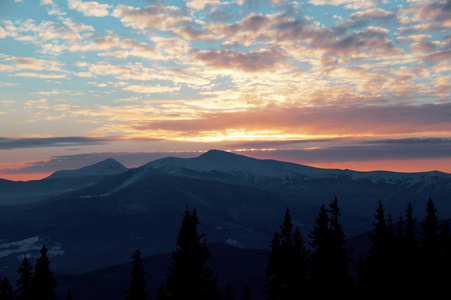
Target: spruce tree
pixel 6 290
pixel 272 285
pixel 340 279
pixel 301 268
pixel 189 277
pixel 406 255
pixel 137 288
pixel 320 242
pixel 429 251
pixel 42 284
pixel 287 271
pixel 24 281
pixel 380 269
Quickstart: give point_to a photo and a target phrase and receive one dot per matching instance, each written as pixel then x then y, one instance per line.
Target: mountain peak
pixel 105 167
pixel 214 153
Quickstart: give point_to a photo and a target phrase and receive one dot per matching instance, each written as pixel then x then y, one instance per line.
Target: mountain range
pixel 95 217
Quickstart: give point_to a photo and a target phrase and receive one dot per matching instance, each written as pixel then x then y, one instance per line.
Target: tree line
pixel 406 259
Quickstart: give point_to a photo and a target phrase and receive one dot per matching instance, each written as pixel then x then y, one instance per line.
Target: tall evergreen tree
pixel 42 284
pixel 379 257
pixel 405 255
pixel 340 279
pixel 409 232
pixel 6 290
pixel 301 267
pixel 287 271
pixel 272 286
pixel 137 288
pixel 320 241
pixel 330 258
pixel 429 251
pixel 24 281
pixel 189 277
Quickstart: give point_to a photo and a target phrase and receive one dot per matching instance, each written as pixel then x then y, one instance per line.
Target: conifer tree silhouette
pixel 24 282
pixel 6 290
pixel 189 277
pixel 287 272
pixel 429 251
pixel 43 285
pixel 137 288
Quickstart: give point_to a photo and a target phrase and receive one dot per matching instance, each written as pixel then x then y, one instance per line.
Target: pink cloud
pixel 328 120
pixel 253 61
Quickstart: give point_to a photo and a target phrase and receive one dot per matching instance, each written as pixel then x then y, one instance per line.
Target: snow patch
pixel 31 244
pixel 233 242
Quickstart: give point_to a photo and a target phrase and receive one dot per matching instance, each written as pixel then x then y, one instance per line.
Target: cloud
pixel 40 75
pixel 201 4
pixel 425 16
pixel 20 143
pixel 90 8
pixel 253 61
pixel 30 63
pixel 320 121
pixel 150 17
pixel 369 16
pixel 149 89
pixel 360 152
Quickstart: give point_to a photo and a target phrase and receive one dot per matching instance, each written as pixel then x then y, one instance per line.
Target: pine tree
pixel 287 271
pixel 429 251
pixel 409 232
pixel 380 269
pixel 340 279
pixel 301 268
pixel 24 281
pixel 406 255
pixel 189 277
pixel 137 288
pixel 43 285
pixel 6 290
pixel 320 238
pixel 272 286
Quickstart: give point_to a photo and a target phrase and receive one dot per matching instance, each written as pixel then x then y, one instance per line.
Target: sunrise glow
pixel 362 85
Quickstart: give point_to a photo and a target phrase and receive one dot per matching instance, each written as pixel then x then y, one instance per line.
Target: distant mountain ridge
pixel 240 201
pixel 21 192
pixel 106 167
pixel 260 169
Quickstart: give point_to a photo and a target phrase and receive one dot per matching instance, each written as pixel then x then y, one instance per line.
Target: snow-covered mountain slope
pixel 106 167
pixel 240 200
pixel 216 161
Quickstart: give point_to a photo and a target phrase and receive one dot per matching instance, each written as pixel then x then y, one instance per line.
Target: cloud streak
pixel 20 143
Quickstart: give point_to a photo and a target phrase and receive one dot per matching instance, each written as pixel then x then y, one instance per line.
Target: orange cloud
pixel 319 121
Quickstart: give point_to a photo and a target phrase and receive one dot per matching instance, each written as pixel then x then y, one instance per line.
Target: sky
pixel 347 84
